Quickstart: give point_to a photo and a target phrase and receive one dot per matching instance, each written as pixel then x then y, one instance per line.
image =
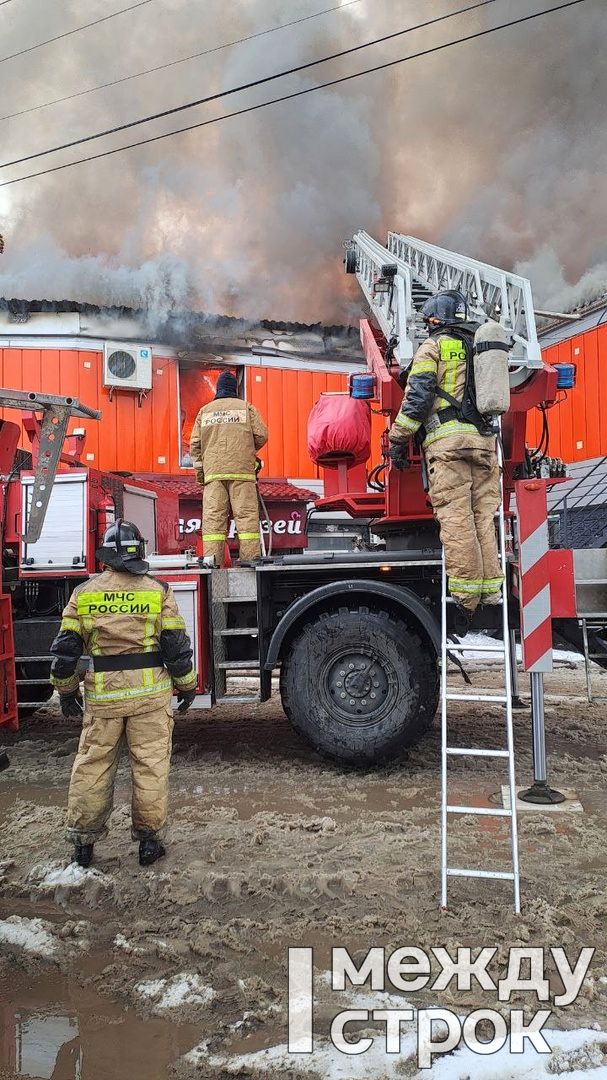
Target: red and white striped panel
pixel 534 575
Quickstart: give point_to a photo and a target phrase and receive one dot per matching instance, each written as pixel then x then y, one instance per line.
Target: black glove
pixel 185 699
pixel 399 455
pixel 71 704
pixel 258 466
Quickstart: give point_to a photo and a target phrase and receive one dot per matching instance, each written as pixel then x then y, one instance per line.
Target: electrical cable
pixel 294 94
pixel 76 30
pixel 243 86
pixel 182 60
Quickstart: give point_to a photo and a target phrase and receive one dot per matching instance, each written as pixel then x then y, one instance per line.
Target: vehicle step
pixel 235 599
pixel 238 631
pixel 237 699
pixel 238 665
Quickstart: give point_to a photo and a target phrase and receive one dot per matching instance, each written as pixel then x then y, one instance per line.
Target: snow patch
pixel 32 935
pixel 571 1052
pixel 472 651
pixel 182 989
pixel 121 942
pixel 49 876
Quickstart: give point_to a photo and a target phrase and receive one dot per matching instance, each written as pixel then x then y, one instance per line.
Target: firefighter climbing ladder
pixel 499 700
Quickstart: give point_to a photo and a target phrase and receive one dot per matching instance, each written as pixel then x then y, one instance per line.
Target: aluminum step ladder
pixel 503 701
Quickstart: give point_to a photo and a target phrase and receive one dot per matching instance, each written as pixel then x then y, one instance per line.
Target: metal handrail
pixel 566 497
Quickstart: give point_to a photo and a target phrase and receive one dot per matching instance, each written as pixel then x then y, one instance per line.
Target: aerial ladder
pixel 396 280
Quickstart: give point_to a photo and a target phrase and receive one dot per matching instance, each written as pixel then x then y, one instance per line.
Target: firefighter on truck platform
pixel 130 626
pixel 461 458
pixel 227 434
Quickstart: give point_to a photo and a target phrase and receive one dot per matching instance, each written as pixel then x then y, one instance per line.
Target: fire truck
pixel 353 636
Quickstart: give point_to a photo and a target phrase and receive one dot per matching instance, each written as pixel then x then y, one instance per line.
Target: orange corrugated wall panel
pixel 128 437
pixel 578 422
pixel 145 438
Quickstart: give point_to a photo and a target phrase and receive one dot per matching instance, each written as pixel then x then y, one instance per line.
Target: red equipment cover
pixel 339 428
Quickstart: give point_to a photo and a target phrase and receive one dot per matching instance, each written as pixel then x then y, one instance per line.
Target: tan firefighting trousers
pixel 241 497
pixel 465 492
pixel 91 795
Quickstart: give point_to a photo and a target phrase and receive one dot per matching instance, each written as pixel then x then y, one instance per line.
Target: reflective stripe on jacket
pixel 113 613
pixel 226 436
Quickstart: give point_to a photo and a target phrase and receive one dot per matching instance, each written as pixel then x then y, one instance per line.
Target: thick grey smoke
pixel 497 148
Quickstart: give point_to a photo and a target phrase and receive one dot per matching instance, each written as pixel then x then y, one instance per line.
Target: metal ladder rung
pixel 503 650
pixel 497 649
pixel 501 698
pixel 461 751
pixel 501 875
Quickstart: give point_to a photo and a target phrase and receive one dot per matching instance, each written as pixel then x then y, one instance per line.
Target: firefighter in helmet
pixel 461 459
pixel 129 624
pixel 227 434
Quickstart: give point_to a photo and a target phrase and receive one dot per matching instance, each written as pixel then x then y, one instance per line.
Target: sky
pixel 496 148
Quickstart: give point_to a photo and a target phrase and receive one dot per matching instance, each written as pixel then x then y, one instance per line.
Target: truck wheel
pixel 360 685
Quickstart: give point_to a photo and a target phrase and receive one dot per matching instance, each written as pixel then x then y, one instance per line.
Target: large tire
pixel 360 685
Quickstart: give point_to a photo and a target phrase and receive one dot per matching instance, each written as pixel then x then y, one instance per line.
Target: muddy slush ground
pixel 270 846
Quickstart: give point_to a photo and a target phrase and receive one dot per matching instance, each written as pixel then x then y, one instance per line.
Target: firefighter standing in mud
pixel 129 624
pixel 227 434
pixel 461 459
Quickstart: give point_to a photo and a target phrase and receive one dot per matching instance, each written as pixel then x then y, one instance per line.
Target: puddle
pixel 41 795
pixel 250 802
pixel 51 1028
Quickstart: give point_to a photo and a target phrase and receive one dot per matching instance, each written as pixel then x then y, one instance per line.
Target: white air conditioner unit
pixel 128 367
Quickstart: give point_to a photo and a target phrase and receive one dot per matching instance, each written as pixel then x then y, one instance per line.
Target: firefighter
pixel 227 434
pixel 461 458
pixel 130 626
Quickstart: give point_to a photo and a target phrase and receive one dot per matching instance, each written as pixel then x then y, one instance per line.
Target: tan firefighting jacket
pixel 118 613
pixel 226 436
pixel 440 362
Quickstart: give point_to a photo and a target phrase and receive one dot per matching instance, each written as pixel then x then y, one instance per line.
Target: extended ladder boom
pixel 399 278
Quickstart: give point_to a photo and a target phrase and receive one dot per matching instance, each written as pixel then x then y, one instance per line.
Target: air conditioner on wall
pixel 127 367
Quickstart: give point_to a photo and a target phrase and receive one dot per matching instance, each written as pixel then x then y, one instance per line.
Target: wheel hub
pixel 357 684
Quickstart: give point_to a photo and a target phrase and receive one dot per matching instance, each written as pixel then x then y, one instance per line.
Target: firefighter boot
pixel 150 850
pixel 83 854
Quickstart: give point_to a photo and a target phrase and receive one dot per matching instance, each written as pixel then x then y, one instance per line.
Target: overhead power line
pixel 296 93
pixel 245 86
pixel 181 60
pixel 76 30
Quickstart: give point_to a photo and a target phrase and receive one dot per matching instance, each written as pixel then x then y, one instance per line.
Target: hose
pixel 265 517
pixel 373 478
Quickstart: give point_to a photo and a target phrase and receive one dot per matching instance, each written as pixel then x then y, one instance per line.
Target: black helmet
pixel 123 548
pixel 446 307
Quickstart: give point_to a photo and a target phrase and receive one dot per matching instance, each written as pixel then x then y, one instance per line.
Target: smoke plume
pixel 497 148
